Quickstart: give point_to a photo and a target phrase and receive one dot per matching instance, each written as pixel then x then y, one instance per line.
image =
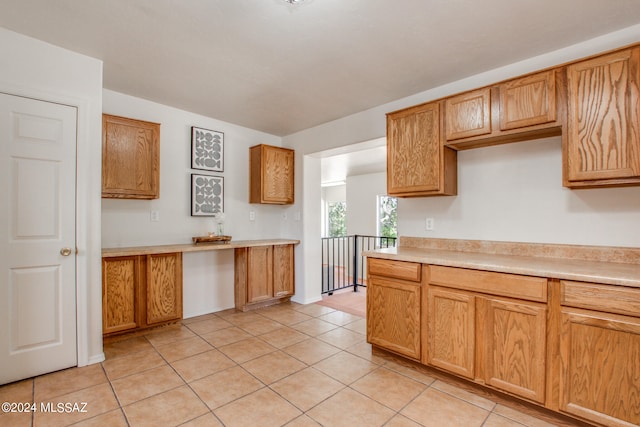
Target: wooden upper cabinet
pixel 468 114
pixel 271 175
pixel 528 101
pixel 603 143
pixel 130 158
pixel 417 163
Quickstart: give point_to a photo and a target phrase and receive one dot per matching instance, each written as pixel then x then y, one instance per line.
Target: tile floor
pixel 294 365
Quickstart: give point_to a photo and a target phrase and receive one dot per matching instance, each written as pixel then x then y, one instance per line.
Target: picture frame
pixel 207 195
pixel 207 149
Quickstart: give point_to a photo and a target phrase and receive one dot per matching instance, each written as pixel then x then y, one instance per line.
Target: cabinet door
pixel 528 101
pixel 512 346
pixel 601 367
pixel 393 315
pixel 603 140
pixel 259 273
pixel 130 158
pixel 413 150
pixel 468 114
pixel 283 270
pixel 451 342
pixel 164 287
pixel 278 175
pixel 120 278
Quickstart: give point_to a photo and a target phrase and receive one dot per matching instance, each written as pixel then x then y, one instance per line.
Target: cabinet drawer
pixel 502 284
pixel 397 269
pixel 607 298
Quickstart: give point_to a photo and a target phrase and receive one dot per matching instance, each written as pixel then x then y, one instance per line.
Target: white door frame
pixel 88 222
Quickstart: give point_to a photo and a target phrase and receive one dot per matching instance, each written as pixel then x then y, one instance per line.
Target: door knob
pixel 65 251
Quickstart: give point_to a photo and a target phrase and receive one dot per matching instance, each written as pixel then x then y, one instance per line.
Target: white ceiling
pixel 269 66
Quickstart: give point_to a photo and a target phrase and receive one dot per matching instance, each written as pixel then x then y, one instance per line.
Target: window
pixel 336 219
pixel 387 216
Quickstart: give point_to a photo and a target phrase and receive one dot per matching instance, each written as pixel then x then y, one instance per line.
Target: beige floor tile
pixel 410 371
pixel 15 419
pixel 189 347
pixel 170 408
pixel 311 351
pixel 262 408
pixel 339 318
pixel 239 318
pixel 261 326
pixel 67 381
pixel 288 318
pixel 113 418
pixel 199 318
pixel 307 388
pixel 207 420
pixel 342 338
pixel 99 399
pixel 520 417
pixel 434 408
pixel 496 420
pixel 359 326
pixel 464 395
pixel 245 350
pixel 202 365
pixel 273 366
pixel 115 349
pixel 349 408
pixel 132 364
pixel 19 391
pixel 226 336
pixel 391 389
pixel 302 421
pixel 208 325
pixel 314 310
pixel 283 337
pixel 364 350
pixel 314 327
pixel 154 381
pixel 345 367
pixel 169 334
pixel 402 421
pixel 225 386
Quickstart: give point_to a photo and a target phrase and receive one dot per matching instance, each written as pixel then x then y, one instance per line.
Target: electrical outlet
pixel 284 216
pixel 298 216
pixel 154 216
pixel 430 224
pixel 252 216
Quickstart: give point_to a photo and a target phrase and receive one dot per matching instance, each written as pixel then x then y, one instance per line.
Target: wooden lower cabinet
pixel 451 324
pixel 511 346
pixel 264 275
pixel 393 315
pixel 141 291
pixel 600 378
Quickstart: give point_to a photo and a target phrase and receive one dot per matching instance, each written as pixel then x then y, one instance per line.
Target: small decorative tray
pixel 211 239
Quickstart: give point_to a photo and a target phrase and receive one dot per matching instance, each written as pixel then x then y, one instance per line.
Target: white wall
pixel 208 277
pixel 514 192
pixel 362 202
pixel 595 217
pixel 35 69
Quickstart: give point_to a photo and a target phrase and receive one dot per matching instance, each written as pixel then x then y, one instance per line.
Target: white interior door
pixel 37 237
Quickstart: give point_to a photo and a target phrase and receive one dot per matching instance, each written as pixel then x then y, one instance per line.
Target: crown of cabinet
pixel 271 171
pixel 130 158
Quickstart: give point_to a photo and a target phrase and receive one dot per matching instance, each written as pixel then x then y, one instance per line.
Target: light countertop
pixel 190 247
pixel 613 273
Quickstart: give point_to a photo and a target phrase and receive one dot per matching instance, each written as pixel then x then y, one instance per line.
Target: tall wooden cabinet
pixel 417 162
pixel 271 172
pixel 603 140
pixel 130 158
pixel 141 291
pixel 264 275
